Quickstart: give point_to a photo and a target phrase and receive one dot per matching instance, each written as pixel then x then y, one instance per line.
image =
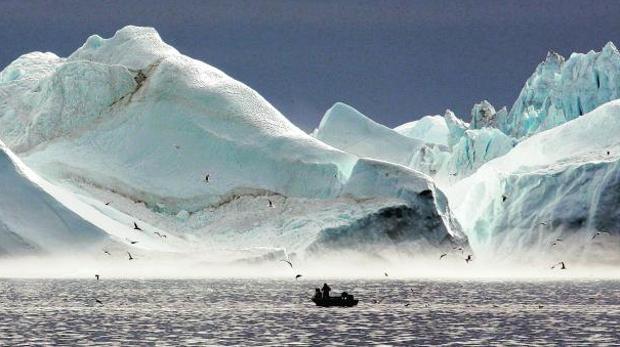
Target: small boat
pixel 335 301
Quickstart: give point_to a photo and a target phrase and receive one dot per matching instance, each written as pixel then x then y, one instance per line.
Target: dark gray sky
pixel 393 60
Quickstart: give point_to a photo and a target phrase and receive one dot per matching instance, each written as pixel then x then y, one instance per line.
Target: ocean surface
pixel 279 312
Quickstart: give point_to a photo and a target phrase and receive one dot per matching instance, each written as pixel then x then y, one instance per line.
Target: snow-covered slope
pixel 131 120
pixel 560 90
pixel 562 183
pixel 429 129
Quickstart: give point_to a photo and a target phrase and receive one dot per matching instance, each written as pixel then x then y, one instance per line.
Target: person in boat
pixel 326 290
pixel 317 294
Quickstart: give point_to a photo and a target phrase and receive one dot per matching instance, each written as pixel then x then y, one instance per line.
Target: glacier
pixel 190 152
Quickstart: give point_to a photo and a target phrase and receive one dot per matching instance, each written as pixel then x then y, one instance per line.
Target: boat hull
pixel 335 301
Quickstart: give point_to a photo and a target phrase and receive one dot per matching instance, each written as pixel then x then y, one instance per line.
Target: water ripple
pixel 278 312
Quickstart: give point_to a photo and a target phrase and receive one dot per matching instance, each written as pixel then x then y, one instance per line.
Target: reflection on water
pixel 276 312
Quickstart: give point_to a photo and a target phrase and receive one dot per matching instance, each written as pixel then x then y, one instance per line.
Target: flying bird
pixel 563 267
pixel 385 273
pixel 270 203
pixel 207 178
pixel 107 203
pixel 136 227
pixel 608 153
pixel 468 259
pixel 130 257
pixel 97 277
pixel 99 301
pixel 452 173
pixel 106 252
pixel 288 262
pixel 598 233
pixel 504 197
pixel 443 255
pixel 298 276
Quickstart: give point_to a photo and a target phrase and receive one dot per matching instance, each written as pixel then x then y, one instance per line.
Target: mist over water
pixel 277 312
pixel 337 265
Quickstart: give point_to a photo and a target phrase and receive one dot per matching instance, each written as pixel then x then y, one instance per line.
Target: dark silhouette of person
pixel 317 294
pixel 326 290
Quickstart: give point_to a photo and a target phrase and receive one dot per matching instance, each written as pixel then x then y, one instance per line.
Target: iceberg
pixel 561 90
pixel 429 129
pixel 349 130
pixel 562 183
pixel 194 153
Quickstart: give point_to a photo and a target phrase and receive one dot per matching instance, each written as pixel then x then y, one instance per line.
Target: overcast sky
pixel 395 61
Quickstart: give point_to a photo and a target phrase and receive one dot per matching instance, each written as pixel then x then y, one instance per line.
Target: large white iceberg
pixel 190 150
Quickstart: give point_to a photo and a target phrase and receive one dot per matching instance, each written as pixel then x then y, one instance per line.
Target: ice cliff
pixel 563 183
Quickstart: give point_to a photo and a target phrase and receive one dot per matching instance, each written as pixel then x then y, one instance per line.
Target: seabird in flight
pixel 563 267
pixel 288 262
